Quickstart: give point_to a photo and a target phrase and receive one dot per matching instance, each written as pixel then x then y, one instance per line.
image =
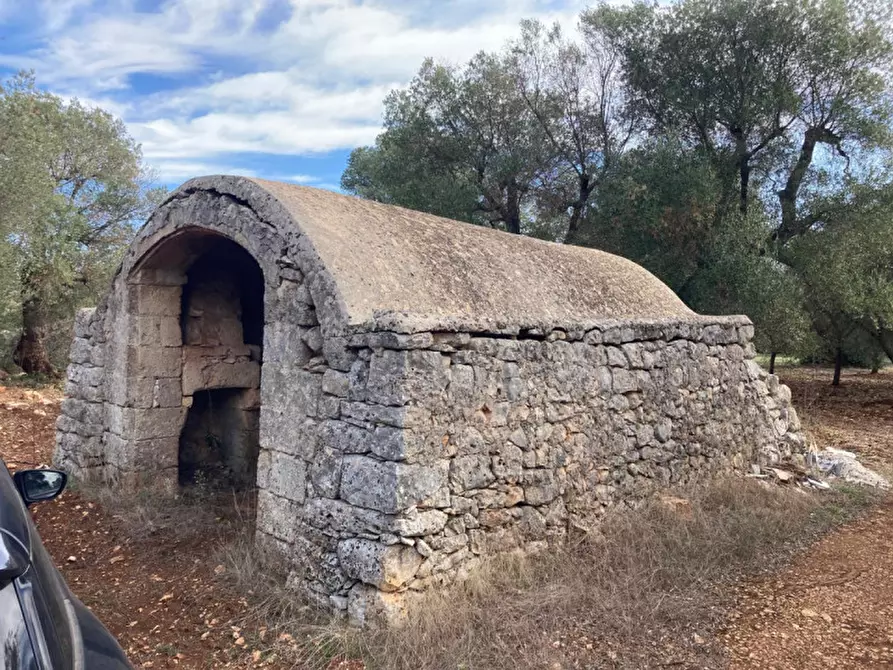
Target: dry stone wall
pixel 429 451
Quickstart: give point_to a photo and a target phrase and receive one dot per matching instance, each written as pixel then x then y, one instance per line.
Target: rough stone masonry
pixel 430 393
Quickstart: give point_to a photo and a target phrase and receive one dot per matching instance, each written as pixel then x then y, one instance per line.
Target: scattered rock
pixel 782 475
pixel 845 465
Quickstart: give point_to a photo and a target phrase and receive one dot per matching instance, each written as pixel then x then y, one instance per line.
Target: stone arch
pixel 161 389
pixel 195 309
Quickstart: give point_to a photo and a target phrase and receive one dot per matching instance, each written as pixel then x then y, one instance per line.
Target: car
pixel 43 626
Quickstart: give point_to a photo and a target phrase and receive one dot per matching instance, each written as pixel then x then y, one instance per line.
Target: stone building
pixel 408 394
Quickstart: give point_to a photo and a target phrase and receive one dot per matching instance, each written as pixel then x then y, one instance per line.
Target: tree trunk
pixel 838 364
pixel 772 363
pixel 512 210
pixel 31 353
pixel 573 227
pixel 744 195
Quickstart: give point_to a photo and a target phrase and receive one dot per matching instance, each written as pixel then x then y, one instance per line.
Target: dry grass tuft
pixel 649 586
pixel 633 595
pixel 185 515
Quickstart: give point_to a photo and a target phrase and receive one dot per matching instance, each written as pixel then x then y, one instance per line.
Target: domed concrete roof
pixel 403 270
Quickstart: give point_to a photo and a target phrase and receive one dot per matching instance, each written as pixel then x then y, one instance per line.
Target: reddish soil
pixel 167 601
pixel 159 596
pixel 833 606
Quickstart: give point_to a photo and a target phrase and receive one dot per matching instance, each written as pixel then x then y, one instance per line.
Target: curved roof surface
pixel 402 269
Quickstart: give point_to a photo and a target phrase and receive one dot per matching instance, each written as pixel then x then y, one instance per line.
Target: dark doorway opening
pixel 219 443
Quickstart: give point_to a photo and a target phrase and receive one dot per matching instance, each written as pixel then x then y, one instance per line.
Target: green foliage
pixel 457 142
pixel 72 185
pixel 732 148
pixel 657 208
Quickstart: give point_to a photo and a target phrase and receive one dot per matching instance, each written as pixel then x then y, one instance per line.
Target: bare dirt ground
pixel 167 599
pixel 160 598
pixel 833 606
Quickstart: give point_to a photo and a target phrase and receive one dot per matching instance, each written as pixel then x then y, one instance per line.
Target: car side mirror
pixel 39 485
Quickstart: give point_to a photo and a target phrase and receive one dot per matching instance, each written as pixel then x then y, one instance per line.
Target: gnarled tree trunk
pixel 31 353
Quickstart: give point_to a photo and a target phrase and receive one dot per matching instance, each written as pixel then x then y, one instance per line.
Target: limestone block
pixel 507 464
pixel 461 386
pixel 283 475
pixel 492 498
pixel 288 433
pixel 663 429
pixel 151 455
pixel 88 413
pixel 397 417
pixel 153 361
pixel 335 383
pixel 154 330
pixel 387 567
pixel 386 381
pixel 200 373
pixel 341 519
pixel 386 340
pixel 154 300
pixel 427 374
pixel 283 345
pixel 85 376
pixel 449 342
pixel 624 381
pixel 415 523
pixel 367 604
pixel 277 516
pixel 386 486
pixel 286 305
pixel 148 423
pixel 294 393
pixel 541 486
pixel 83 322
pixel 470 472
pixel 634 354
pixel 81 351
pixel 337 353
pixel 346 438
pixel 325 472
pixel 167 393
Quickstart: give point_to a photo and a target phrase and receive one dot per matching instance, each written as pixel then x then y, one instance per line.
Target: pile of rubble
pixel 818 468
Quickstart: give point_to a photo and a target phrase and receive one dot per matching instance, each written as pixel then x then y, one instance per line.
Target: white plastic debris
pixel 846 466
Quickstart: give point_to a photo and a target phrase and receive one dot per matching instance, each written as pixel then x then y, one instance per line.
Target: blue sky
pixel 281 89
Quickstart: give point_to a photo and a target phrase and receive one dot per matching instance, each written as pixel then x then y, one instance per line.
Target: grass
pixel 648 585
pixel 187 514
pixel 781 360
pixel 35 381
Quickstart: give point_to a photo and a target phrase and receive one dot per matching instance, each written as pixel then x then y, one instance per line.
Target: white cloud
pixel 170 171
pixel 220 77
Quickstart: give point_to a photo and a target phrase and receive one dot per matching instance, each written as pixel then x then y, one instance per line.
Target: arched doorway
pixel 197 309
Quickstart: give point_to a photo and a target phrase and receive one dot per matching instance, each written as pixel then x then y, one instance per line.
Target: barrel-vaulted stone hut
pixel 408 394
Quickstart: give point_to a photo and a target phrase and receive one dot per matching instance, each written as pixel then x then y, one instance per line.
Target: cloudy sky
pixel 274 88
